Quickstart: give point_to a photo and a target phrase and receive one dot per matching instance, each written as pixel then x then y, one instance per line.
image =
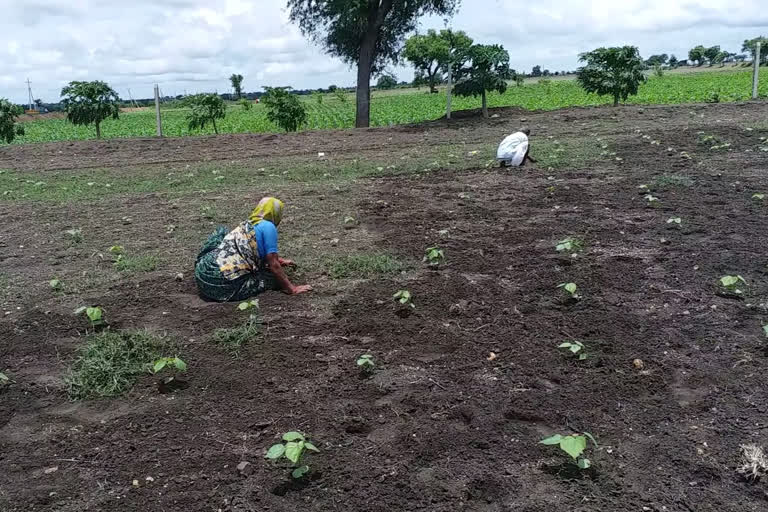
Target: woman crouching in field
pixel 244 262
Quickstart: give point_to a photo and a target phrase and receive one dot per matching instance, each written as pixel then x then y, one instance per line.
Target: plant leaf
pixel 765 330
pixel 555 439
pixel 584 464
pixel 80 310
pixel 310 446
pixel 573 445
pixel 575 349
pixel 293 436
pixel 591 438
pixel 55 284
pixel 570 288
pixel 180 364
pixel 565 344
pixel 300 472
pixel 293 451
pixel 159 365
pixel 275 452
pixel 243 306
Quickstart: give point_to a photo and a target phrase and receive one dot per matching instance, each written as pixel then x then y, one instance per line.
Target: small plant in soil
pixel 235 337
pixel 765 330
pixel 434 256
pixel 574 348
pixel 571 289
pixel 674 221
pixel 732 285
pixel 94 314
pixel 293 449
pixel 75 235
pixel 175 365
pixel 758 197
pixel 404 299
pixel 574 445
pixel 117 251
pixel 55 285
pixel 366 364
pixel 570 244
pixel 652 200
pixel 4 380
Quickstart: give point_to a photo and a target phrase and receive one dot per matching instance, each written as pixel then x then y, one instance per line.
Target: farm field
pixel 394 109
pixel 467 384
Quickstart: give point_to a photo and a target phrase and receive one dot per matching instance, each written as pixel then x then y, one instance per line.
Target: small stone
pixel 245 468
pixel 334 242
pixel 50 470
pixel 149 479
pixel 179 276
pixel 135 483
pixel 638 364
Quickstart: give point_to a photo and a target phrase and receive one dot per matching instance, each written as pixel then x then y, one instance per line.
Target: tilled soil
pixel 468 382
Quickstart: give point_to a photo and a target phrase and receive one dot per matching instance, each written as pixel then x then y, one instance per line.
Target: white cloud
pixel 193 45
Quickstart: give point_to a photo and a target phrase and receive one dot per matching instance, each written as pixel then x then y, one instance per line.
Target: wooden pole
pixel 448 92
pixel 757 70
pixel 157 111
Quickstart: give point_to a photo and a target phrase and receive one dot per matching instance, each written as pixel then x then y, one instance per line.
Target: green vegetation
pixel 485 69
pixel 234 338
pixel 204 109
pixel 111 361
pixel 366 364
pixel 293 449
pixel 94 314
pixel 8 127
pixel 574 445
pixel 237 84
pixel 55 284
pixel 136 263
pixel 431 53
pixel 403 297
pixel 75 235
pixel 570 244
pixel 575 348
pixel 615 72
pixel 284 108
pixel 364 266
pixel 571 289
pixel 4 380
pixel 434 256
pixel 388 108
pixel 90 103
pixel 733 284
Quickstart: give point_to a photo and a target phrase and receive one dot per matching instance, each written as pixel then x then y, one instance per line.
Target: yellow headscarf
pixel 270 209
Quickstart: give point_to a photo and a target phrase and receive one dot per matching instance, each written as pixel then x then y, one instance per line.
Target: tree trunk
pixel 485 105
pixel 216 131
pixel 363 114
pixel 98 130
pixel 615 100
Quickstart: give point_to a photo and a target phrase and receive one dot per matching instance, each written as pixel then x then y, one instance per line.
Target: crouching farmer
pixel 237 265
pixel 514 150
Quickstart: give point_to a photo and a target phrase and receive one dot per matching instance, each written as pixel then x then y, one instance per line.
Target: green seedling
pixel 570 244
pixel 294 447
pixel 403 297
pixel 574 445
pixel 576 348
pixel 674 220
pixel 55 284
pixel 252 306
pixel 75 234
pixel 434 256
pixel 758 197
pixel 170 383
pixel 571 289
pixel 4 380
pixel 765 330
pixel 94 314
pixel 733 284
pixel 651 198
pixel 169 362
pixel 117 251
pixel 366 364
pixel 349 222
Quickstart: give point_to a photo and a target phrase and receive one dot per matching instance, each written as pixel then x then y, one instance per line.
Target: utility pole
pixel 756 74
pixel 157 111
pixel 31 99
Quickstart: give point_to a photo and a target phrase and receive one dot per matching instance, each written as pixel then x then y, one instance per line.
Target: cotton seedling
pixel 733 284
pixel 403 297
pixel 571 289
pixel 169 362
pixel 75 234
pixel 434 256
pixel 366 364
pixel 117 251
pixel 293 448
pixel 765 330
pixel 94 314
pixel 758 197
pixel 55 284
pixel 4 380
pixel 249 305
pixel 172 382
pixel 570 244
pixel 576 348
pixel 574 445
pixel 653 200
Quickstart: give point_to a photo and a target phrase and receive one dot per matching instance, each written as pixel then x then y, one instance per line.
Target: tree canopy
pixel 368 34
pixel 657 60
pixel 750 46
pixel 430 53
pixel 711 54
pixel 284 108
pixel 614 71
pixel 8 127
pixel 485 68
pixel 696 54
pixel 90 103
pixel 204 109
pixel 386 81
pixel 237 84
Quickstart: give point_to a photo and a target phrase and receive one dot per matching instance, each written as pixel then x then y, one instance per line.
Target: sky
pixel 189 46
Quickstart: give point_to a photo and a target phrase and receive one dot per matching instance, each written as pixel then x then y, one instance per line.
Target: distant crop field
pixel 411 107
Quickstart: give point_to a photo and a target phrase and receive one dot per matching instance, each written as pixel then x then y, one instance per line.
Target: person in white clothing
pixel 514 150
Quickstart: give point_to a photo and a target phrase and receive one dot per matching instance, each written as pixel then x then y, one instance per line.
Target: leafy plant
pixel 169 362
pixel 204 109
pixel 403 297
pixel 765 330
pixel 485 69
pixel 574 445
pixel 235 337
pixel 90 103
pixel 9 130
pixel 293 449
pixel 758 197
pixel 617 72
pixel 237 84
pixel 571 289
pixel 434 256
pixel 55 284
pixel 94 314
pixel 570 244
pixel 733 284
pixel 75 234
pixel 574 347
pixel 366 363
pixel 284 108
pixel 4 380
pixel 246 104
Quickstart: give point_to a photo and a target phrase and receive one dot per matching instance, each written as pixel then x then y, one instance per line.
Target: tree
pixel 614 71
pixel 750 46
pixel 711 54
pixel 696 55
pixel 485 68
pixel 386 81
pixel 8 127
pixel 657 60
pixel 90 103
pixel 673 61
pixel 431 53
pixel 366 33
pixel 237 85
pixel 204 109
pixel 284 108
pixel 536 72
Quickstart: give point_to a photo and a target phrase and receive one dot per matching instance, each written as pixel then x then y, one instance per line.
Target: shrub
pixel 284 108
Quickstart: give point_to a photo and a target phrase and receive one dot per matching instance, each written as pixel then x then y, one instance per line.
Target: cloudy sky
pixel 194 45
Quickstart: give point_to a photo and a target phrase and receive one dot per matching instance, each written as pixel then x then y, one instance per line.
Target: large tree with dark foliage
pixel 486 68
pixel 432 52
pixel 612 71
pixel 8 127
pixel 368 33
pixel 90 103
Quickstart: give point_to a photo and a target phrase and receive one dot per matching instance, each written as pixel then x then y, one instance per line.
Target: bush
pixel 246 104
pixel 284 108
pixel 204 109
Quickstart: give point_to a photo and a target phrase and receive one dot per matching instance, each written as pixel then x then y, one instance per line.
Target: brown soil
pixel 442 425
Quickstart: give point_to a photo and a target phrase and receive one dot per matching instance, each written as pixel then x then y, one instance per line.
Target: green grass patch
pixel 364 266
pixel 235 338
pixel 137 263
pixel 110 362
